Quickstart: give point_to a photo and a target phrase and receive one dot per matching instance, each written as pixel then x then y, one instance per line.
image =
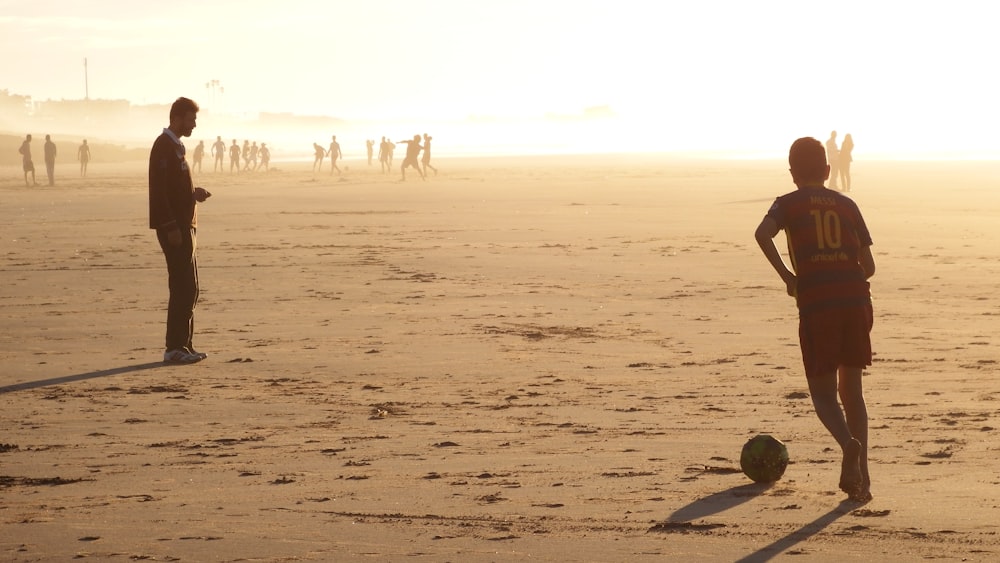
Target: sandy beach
pixel 541 359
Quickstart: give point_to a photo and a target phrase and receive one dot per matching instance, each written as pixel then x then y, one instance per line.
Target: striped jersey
pixel 825 232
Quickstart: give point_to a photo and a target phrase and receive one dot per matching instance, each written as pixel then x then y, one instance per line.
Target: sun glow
pixel 709 76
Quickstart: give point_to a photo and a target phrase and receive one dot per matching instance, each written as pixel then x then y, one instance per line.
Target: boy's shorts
pixel 834 337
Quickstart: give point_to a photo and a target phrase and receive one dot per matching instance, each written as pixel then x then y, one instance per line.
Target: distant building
pixel 72 115
pixel 13 109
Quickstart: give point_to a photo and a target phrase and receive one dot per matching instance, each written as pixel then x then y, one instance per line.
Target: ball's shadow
pixel 719 502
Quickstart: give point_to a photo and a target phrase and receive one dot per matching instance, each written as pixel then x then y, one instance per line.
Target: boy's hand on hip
pixel 791 286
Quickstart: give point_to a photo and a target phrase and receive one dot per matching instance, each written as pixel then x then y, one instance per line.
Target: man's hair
pixel 182 106
pixel 807 159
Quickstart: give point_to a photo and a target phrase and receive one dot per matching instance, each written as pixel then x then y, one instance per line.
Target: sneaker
pixel 197 353
pixel 181 356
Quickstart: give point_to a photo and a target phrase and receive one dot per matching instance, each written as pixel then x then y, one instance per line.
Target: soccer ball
pixel 764 458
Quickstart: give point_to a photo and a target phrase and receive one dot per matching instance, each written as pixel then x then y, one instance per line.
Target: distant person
pixel 173 213
pixel 83 155
pixel 392 150
pixel 246 154
pixel 50 160
pixel 199 153
pixel 265 157
pixel 370 149
pixel 833 156
pixel 845 162
pixel 426 159
pixel 830 250
pixel 254 150
pixel 320 153
pixel 234 157
pixel 26 162
pixel 410 160
pixel 383 155
pixel 219 153
pixel 334 153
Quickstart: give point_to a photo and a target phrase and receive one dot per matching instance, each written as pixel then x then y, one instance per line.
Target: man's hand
pixel 201 194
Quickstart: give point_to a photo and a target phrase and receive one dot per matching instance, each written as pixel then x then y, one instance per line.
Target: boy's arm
pixel 867 261
pixel 765 234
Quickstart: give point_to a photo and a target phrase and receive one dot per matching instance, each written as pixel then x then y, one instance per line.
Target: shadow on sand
pixel 682 519
pixel 718 502
pixel 79 377
pixel 781 545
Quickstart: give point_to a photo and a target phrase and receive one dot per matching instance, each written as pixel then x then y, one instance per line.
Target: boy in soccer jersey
pixel 830 252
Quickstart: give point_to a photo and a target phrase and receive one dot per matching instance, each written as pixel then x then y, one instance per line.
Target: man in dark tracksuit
pixel 173 213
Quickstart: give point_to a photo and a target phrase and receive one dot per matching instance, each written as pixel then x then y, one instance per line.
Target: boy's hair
pixel 807 159
pixel 182 106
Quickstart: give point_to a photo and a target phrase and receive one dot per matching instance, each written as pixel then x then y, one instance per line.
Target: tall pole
pixel 86 81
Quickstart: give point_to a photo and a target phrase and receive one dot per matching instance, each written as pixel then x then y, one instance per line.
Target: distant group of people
pixel 28 165
pixel 249 158
pixel 333 152
pixel 413 149
pixel 386 152
pixel 840 161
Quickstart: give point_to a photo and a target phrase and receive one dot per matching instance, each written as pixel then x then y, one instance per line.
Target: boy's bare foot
pixel 864 493
pixel 861 495
pixel 850 471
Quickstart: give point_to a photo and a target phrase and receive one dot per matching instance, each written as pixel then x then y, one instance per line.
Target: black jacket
pixel 171 191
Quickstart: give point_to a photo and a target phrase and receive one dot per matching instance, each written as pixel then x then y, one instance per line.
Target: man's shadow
pixel 78 377
pixel 724 500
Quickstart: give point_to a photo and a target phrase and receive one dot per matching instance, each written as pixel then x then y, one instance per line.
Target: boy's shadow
pixel 781 545
pixel 735 496
pixel 78 377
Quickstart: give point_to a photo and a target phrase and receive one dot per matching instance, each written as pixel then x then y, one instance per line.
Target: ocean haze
pixel 722 77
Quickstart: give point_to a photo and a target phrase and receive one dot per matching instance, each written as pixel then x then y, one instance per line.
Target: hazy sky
pixel 900 76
